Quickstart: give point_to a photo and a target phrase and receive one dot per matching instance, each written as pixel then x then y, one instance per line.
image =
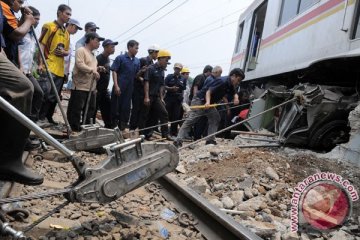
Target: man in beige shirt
pixel 85 75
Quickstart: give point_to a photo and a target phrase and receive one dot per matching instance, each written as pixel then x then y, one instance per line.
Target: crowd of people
pixel 141 96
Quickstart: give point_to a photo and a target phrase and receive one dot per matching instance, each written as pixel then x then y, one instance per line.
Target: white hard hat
pixel 154 47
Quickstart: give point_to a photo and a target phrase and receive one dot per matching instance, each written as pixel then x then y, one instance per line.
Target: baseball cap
pixel 75 22
pixel 178 65
pixel 91 25
pixel 108 42
pixel 94 35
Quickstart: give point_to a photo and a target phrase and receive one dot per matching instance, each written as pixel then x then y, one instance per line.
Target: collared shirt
pixel 146 61
pixel 172 80
pixel 199 82
pixel 80 43
pixel 10 23
pixel 155 76
pixel 126 69
pixel 219 88
pixel 104 80
pixel 55 36
pixel 85 66
pixel 27 47
pixel 2 43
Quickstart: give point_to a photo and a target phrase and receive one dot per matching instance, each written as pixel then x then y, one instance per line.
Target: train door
pixel 355 31
pixel 256 31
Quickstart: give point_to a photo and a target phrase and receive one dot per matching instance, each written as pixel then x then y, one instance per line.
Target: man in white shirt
pixel 89 27
pixel 27 48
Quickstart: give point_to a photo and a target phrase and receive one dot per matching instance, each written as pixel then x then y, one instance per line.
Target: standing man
pixel 72 26
pixel 211 93
pixel 85 75
pixel 154 93
pixel 18 91
pixel 103 101
pixel 138 93
pixel 55 42
pixel 89 27
pixel 125 69
pixel 26 49
pixel 175 85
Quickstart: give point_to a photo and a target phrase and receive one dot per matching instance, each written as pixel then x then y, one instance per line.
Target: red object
pixel 244 113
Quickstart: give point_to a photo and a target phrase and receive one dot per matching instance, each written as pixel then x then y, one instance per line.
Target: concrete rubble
pixel 255 186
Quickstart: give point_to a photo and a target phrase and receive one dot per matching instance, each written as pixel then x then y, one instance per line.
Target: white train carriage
pixel 290 42
pixel 275 37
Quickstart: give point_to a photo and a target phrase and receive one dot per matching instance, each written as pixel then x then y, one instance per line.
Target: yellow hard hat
pixel 185 70
pixel 164 53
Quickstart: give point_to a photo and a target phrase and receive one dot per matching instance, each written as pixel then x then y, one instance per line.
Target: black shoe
pixel 12 142
pixel 210 142
pixel 31 144
pixel 20 174
pixel 177 143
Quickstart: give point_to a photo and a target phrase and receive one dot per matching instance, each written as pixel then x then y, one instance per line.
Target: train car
pixel 311 45
pixel 286 38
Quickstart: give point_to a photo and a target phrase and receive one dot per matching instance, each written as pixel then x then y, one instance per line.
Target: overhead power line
pixel 202 27
pixel 158 19
pixel 143 20
pixel 201 34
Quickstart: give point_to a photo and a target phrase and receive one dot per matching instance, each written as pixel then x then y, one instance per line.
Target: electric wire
pixel 158 19
pixel 201 34
pixel 146 18
pixel 204 26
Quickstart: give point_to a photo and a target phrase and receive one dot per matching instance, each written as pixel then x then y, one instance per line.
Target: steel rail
pixel 211 221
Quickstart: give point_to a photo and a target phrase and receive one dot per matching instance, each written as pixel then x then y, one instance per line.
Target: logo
pixel 322 202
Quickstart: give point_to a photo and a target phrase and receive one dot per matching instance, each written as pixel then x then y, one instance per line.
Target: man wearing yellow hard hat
pixel 154 93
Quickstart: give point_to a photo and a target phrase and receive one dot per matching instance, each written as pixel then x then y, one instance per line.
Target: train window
pixel 238 42
pixel 291 8
pixel 356 25
pixel 305 4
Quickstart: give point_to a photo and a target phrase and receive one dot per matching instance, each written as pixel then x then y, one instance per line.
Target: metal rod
pixel 259 145
pixel 259 139
pixel 237 124
pixel 254 133
pixel 33 127
pixel 126 144
pixel 182 120
pixel 53 86
pixel 88 101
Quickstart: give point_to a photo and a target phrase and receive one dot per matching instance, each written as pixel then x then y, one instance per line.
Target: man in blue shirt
pixel 212 92
pixel 125 69
pixel 175 85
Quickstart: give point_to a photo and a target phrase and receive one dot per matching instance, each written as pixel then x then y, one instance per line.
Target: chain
pixel 35 196
pixel 58 208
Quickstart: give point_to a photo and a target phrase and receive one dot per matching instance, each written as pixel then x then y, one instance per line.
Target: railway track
pixel 207 219
pixel 195 212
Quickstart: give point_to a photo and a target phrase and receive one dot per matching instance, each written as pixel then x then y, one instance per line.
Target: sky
pixel 196 32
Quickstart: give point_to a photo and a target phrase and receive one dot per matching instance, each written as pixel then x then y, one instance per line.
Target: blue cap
pixel 108 42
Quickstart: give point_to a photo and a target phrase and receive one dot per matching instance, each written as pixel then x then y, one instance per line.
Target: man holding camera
pixel 55 42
